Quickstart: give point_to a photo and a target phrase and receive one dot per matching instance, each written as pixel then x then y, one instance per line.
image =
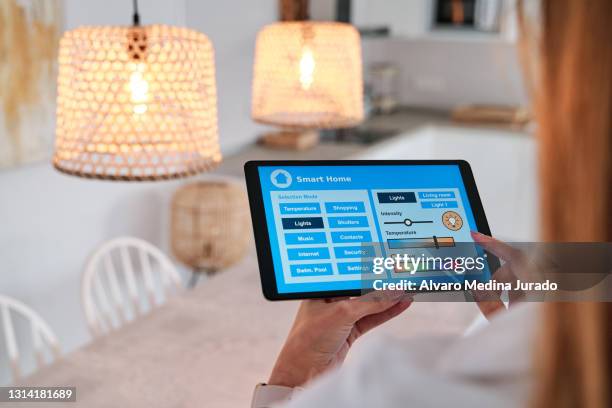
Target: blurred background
pixel 441 79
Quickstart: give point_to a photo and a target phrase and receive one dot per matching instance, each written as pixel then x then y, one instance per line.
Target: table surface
pixel 206 347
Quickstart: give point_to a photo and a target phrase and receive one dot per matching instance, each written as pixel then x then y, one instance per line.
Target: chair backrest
pixel 123 279
pixel 42 339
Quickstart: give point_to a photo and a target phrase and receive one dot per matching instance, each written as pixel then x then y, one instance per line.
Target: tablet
pixel 324 228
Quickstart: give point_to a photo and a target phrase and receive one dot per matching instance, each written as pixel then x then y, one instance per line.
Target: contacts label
pixel 344 237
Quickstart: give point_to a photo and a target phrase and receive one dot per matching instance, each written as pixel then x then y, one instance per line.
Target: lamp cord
pixel 136 16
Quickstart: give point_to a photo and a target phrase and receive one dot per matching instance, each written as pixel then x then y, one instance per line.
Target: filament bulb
pixel 307 67
pixel 139 89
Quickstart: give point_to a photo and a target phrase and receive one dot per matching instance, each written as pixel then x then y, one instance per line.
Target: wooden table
pixel 207 347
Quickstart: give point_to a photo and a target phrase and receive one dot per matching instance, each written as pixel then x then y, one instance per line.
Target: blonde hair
pixel 573 106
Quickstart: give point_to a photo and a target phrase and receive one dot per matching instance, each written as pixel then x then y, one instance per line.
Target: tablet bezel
pixel 260 226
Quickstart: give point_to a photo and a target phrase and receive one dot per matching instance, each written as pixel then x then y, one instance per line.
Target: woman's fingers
pixel 496 247
pixel 370 303
pixel 504 274
pixel 488 302
pixel 369 322
pixel 489 307
pixel 336 299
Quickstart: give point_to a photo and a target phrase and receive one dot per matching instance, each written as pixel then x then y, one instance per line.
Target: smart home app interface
pixel 327 223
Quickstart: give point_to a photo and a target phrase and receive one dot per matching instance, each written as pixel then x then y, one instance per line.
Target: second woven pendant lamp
pixel 136 103
pixel 308 74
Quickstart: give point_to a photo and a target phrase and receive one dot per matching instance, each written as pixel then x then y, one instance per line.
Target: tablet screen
pixel 327 225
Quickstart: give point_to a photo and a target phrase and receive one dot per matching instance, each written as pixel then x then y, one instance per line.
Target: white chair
pixel 42 339
pixel 125 278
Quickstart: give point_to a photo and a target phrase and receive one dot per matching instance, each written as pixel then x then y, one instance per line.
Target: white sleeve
pixel 265 396
pixel 489 368
pixel 329 391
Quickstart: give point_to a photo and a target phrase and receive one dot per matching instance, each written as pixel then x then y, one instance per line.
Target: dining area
pixel 199 348
pixel 158 339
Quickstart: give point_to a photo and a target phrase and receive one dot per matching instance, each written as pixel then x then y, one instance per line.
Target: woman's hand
pixel 324 330
pixel 515 264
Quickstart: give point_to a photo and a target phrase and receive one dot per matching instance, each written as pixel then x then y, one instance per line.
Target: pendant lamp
pixel 136 103
pixel 308 74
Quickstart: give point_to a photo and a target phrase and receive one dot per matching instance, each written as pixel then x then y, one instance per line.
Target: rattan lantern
pixel 136 103
pixel 210 225
pixel 308 74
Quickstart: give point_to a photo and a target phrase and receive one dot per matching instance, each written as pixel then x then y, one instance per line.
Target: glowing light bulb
pixel 307 67
pixel 139 89
pixel 452 221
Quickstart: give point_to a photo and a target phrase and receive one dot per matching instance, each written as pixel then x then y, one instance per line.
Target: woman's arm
pixel 321 335
pixel 324 330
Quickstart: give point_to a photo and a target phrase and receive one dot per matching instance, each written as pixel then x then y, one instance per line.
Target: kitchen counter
pixel 402 122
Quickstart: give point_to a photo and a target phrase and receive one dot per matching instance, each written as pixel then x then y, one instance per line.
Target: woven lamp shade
pixel 210 224
pixel 308 75
pixel 136 103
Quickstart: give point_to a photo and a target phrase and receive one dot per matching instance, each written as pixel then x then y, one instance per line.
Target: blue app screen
pixel 326 223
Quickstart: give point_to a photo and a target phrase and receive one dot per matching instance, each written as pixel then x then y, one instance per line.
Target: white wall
pixel 442 69
pixel 444 72
pixel 437 69
pixel 119 12
pixel 232 26
pixel 49 222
